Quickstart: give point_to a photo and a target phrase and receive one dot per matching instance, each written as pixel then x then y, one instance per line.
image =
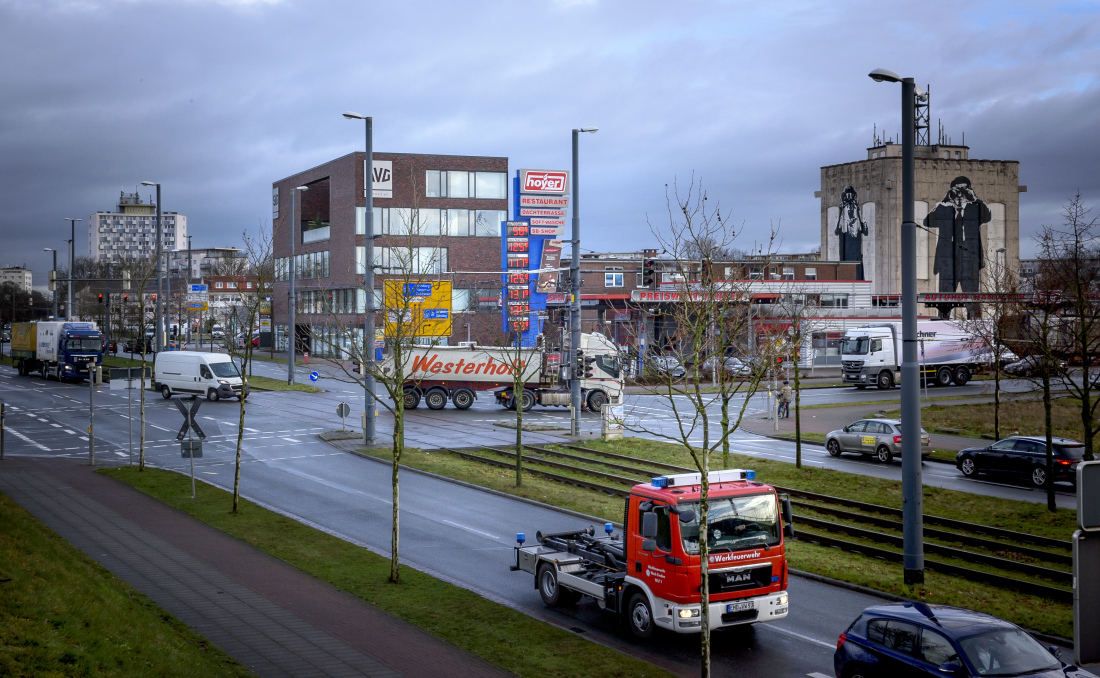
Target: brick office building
pixel 454 204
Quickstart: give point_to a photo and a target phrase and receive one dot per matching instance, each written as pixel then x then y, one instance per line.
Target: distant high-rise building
pixel 17 275
pixel 130 231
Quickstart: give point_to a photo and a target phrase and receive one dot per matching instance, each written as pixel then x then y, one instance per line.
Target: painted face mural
pixel 851 228
pixel 958 219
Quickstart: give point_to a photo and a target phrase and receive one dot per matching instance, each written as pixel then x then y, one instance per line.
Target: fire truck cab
pixel 650 573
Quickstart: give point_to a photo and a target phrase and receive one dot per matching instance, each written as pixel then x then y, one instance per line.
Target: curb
pixel 480 488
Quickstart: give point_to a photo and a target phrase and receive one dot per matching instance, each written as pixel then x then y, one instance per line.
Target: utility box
pixel 1086 563
pixel 1088 499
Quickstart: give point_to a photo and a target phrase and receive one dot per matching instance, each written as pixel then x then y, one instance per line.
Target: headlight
pixel 223 382
pixel 781 600
pixel 687 614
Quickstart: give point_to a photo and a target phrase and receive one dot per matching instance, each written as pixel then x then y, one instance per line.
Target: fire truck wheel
pixel 412 399
pixel 548 587
pixel 463 398
pixel 596 400
pixel 640 616
pixel 528 399
pixel 436 399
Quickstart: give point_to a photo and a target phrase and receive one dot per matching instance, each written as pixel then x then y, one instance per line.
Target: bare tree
pixel 706 321
pixel 413 258
pixel 798 309
pixel 1070 264
pixel 523 367
pixel 259 260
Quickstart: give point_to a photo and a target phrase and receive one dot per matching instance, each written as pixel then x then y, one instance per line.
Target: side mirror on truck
pixel 687 515
pixel 788 516
pixel 649 545
pixel 649 525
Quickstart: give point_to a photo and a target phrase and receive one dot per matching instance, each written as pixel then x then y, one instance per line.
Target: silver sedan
pixel 878 437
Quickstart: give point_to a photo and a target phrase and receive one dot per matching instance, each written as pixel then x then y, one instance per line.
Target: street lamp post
pixel 189 279
pixel 291 305
pixel 911 484
pixel 160 279
pixel 72 259
pixel 50 249
pixel 575 277
pixel 368 284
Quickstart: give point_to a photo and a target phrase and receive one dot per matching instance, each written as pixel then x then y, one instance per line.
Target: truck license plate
pixel 738 607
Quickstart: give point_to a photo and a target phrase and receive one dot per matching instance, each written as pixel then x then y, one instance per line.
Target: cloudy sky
pixel 216 99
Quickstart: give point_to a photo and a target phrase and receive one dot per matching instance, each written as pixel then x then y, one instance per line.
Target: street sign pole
pixel 191 454
pixel 190 424
pixel 130 408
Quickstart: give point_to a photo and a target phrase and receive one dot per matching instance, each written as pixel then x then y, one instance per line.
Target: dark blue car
pixel 914 639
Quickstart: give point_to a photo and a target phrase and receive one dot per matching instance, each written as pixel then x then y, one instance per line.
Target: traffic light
pixel 154 297
pixel 589 371
pixel 649 272
pixel 101 298
pixel 125 298
pixel 578 368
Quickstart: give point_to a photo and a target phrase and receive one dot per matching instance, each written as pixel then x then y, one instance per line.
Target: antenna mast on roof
pixel 921 110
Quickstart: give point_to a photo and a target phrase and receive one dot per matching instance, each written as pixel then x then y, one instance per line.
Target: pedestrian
pixel 785 395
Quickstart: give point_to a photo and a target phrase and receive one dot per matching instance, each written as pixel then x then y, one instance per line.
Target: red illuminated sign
pixel 519 293
pixel 544 181
pixel 518 245
pixel 518 229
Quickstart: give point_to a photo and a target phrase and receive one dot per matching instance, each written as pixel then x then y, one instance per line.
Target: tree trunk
pixel 997 398
pixel 398 448
pixel 797 418
pixel 1051 505
pixel 725 430
pixel 704 584
pixel 141 444
pixel 519 435
pixel 1087 424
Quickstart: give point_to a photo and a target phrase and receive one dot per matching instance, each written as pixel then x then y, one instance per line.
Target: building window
pixel 612 279
pixel 774 273
pixel 460 300
pixel 788 272
pixel 404 260
pixel 463 184
pixel 219 286
pixel 757 273
pixel 811 273
pixel 834 301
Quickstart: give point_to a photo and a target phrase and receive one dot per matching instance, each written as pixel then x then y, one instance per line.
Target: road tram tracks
pixel 614 474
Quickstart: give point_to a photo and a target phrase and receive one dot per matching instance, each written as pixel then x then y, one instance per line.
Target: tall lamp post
pixel 50 249
pixel 160 277
pixel 911 484
pixel 292 334
pixel 72 259
pixel 368 284
pixel 575 306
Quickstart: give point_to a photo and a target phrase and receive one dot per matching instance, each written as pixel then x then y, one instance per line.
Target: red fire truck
pixel 650 573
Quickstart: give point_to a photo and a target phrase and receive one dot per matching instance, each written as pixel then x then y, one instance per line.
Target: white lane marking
pixel 158 427
pixel 251 430
pixel 25 439
pixel 59 426
pixel 290 440
pixel 817 674
pixel 815 641
pixel 123 454
pixel 212 419
pixel 86 437
pixel 470 529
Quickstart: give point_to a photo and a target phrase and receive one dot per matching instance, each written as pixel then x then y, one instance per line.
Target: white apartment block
pixel 18 275
pixel 130 232
pixel 204 261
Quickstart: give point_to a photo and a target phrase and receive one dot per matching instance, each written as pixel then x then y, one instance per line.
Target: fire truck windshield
pixel 734 523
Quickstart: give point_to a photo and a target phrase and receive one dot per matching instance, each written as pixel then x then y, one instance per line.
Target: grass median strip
pixel 1027 610
pixel 269 384
pixel 61 614
pixel 484 628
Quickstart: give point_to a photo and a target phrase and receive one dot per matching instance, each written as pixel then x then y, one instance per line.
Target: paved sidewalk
pixel 273 618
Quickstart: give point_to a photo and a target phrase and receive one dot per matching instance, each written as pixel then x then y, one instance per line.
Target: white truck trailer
pixel 457 373
pixel 946 354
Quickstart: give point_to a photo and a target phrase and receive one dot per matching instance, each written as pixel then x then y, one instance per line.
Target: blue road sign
pixel 314 376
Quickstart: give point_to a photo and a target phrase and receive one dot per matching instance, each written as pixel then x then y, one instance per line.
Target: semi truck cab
pixel 651 572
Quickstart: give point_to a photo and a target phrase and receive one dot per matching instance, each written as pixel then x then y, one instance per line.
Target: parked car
pixel 915 639
pixel 667 365
pixel 1032 366
pixel 734 367
pixel 1024 456
pixel 878 437
pixel 242 338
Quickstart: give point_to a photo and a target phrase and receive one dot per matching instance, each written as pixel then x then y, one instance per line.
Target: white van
pixel 214 375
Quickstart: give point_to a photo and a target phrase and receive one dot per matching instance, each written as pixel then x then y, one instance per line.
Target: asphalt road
pixel 459 534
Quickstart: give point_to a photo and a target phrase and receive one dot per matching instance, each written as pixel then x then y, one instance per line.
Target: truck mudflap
pixel 686 618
